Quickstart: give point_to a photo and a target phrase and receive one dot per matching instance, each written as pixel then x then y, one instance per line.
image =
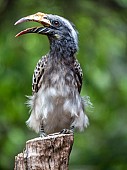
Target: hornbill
pixel 56 104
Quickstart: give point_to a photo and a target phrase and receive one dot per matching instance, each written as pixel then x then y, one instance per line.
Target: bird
pixel 56 105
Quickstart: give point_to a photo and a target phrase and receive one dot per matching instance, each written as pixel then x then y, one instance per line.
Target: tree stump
pixel 48 153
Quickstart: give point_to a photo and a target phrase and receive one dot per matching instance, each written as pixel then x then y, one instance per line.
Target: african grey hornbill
pixel 56 103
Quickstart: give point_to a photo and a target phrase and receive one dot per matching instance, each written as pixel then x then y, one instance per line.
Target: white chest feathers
pixel 58 107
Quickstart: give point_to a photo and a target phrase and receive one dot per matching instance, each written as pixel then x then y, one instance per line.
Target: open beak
pixel 38 17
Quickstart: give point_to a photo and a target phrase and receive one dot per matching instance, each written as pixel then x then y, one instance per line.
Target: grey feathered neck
pixel 65 48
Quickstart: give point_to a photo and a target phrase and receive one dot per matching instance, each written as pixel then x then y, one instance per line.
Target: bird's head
pixel 61 33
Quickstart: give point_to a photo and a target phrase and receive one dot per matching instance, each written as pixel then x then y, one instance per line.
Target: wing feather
pixel 38 74
pixel 78 74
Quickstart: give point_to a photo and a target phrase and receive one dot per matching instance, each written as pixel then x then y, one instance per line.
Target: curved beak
pixel 38 17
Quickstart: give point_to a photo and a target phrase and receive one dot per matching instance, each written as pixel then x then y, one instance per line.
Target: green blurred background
pixel 102 26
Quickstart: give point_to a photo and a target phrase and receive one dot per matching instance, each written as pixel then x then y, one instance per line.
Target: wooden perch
pixel 48 153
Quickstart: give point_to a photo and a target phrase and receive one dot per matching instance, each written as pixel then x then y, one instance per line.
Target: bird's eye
pixel 55 23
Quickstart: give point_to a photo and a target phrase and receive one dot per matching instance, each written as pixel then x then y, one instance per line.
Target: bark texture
pixel 48 153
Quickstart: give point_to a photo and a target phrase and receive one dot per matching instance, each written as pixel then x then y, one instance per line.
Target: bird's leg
pixel 41 130
pixel 67 131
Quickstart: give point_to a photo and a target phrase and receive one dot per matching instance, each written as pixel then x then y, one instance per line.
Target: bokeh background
pixel 102 26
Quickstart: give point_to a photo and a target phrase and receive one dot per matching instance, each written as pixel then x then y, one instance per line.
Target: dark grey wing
pixel 78 74
pixel 38 74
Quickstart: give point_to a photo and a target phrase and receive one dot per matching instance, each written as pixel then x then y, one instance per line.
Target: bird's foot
pixel 67 131
pixel 43 134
